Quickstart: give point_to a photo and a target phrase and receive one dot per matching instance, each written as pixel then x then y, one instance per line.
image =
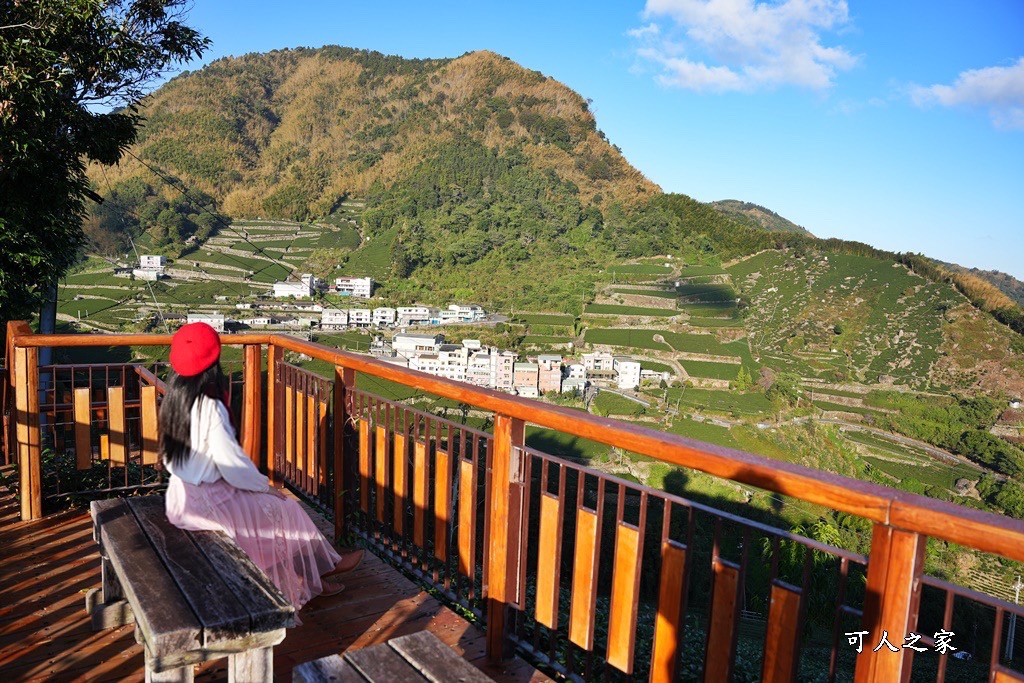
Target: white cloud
pixel 999 89
pixel 743 45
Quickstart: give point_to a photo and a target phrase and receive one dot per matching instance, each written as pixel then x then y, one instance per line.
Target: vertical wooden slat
pixel 274 416
pixel 298 470
pixel 722 627
pixel 321 456
pixel 891 601
pixel 344 413
pixel 419 494
pixel 467 494
pixel 584 580
pixel 251 402
pixel 116 425
pixel 668 627
pixel 150 426
pixel 381 469
pixel 442 500
pixel 312 429
pixel 83 428
pixel 399 485
pixel 548 560
pixel 782 638
pixel 27 404
pixel 625 596
pixel 365 451
pixel 290 427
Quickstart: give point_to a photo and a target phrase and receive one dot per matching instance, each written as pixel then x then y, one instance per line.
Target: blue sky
pixel 898 124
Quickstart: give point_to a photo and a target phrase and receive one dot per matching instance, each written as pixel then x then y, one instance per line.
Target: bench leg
pixel 251 666
pixel 114 610
pixel 180 675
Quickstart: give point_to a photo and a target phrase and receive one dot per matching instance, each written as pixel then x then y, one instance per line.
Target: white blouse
pixel 216 453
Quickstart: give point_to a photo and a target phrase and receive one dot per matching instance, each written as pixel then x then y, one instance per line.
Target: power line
pixel 179 186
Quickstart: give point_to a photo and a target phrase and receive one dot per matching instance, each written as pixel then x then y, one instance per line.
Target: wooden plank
pixel 274 416
pixel 442 501
pixel 104 446
pixel 298 459
pixel 344 385
pixel 383 664
pixel 584 580
pixel 399 483
pixel 321 479
pixel 312 430
pixel 168 625
pixel 201 586
pixel 251 402
pixel 290 419
pixel 150 427
pixel 420 494
pixel 549 553
pixel 625 595
pixel 721 640
pixel 435 660
pixel 331 669
pixel 380 473
pixel 364 465
pixel 668 626
pixel 467 494
pixel 83 428
pixel 116 425
pixel 781 642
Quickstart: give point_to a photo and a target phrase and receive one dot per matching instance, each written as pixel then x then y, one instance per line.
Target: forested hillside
pixel 474 178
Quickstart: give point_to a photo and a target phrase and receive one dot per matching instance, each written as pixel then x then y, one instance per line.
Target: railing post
pixel 891 603
pixel 251 402
pixel 501 582
pixel 344 385
pixel 274 354
pixel 26 365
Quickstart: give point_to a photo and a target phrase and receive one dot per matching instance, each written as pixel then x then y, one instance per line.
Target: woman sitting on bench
pixel 215 486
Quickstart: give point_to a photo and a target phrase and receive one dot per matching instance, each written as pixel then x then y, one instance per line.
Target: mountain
pixel 469 178
pixel 758 215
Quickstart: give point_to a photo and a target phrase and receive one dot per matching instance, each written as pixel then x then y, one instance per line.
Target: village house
pixel 384 316
pixel 150 262
pixel 334 319
pixel 361 287
pixel 360 317
pixel 525 377
pixel 627 372
pixel 413 315
pixel 409 345
pixel 214 320
pixel 297 290
pixel 549 376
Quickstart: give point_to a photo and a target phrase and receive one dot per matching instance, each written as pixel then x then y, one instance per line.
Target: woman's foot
pixel 331 587
pixel 347 563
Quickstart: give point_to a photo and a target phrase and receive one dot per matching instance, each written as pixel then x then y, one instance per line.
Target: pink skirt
pixel 276 533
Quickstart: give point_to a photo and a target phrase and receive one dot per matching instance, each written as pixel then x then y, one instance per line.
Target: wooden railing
pixel 593 576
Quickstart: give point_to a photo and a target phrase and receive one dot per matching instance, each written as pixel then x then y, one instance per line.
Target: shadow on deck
pixel 47 565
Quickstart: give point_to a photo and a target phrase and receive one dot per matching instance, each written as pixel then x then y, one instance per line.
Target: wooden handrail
pixel 985 531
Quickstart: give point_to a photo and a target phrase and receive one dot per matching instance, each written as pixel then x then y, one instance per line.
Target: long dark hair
pixel 176 410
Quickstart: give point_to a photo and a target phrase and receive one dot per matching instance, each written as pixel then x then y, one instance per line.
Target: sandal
pixel 332 588
pixel 347 563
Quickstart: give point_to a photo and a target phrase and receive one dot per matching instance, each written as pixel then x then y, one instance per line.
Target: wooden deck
pixel 47 565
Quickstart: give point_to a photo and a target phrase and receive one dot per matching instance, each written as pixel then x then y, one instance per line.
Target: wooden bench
pixel 406 659
pixel 193 595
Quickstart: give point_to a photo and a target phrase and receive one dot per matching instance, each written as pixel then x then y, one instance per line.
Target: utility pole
pixel 1012 630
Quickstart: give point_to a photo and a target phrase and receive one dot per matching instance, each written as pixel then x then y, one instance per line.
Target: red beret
pixel 194 348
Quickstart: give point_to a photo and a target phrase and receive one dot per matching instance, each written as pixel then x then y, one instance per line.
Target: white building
pixel 384 316
pixel 333 319
pixel 354 286
pixel 452 360
pixel 413 315
pixel 295 290
pixel 360 317
pixel 598 361
pixel 627 372
pixel 214 320
pixel 412 345
pixel 575 371
pixel 466 312
pixel 259 321
pixel 574 385
pixel 149 262
pixel 147 274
